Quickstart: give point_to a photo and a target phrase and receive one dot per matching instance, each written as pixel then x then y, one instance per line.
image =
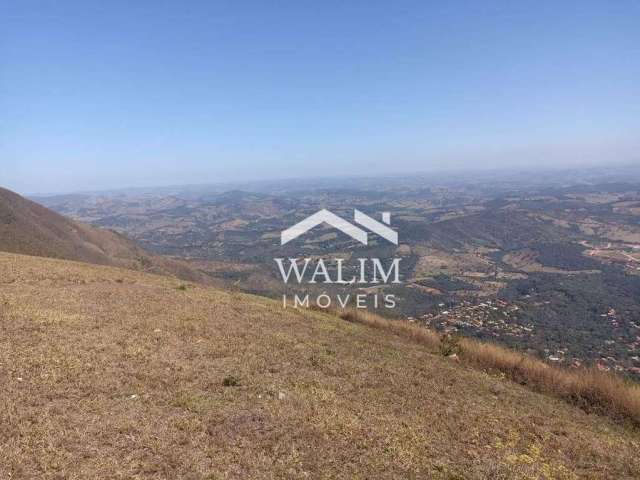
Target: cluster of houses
pixel 611 317
pixel 497 317
pixel 608 362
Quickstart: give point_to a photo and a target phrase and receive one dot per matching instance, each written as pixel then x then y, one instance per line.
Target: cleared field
pixel 434 261
pixel 527 261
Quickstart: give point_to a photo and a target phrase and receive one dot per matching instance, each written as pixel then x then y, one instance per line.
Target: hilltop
pixel 29 228
pixel 108 372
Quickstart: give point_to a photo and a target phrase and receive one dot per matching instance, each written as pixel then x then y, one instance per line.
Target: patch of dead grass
pixel 588 388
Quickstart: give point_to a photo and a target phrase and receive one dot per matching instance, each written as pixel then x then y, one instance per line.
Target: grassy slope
pixel 31 229
pixel 110 373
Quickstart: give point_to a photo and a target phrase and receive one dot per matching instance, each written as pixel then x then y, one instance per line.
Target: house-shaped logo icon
pixel 355 232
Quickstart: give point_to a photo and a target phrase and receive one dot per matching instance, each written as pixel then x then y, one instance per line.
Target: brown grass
pixel 31 229
pixel 593 390
pixel 110 373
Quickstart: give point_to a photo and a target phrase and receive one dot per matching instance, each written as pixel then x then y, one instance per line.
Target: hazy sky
pixel 133 93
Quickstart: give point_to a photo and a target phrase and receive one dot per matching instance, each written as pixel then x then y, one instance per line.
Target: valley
pixel 550 266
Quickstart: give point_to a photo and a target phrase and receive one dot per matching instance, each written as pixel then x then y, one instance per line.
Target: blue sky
pixel 111 94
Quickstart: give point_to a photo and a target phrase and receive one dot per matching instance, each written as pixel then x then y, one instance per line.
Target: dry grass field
pixel 110 373
pixel 589 388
